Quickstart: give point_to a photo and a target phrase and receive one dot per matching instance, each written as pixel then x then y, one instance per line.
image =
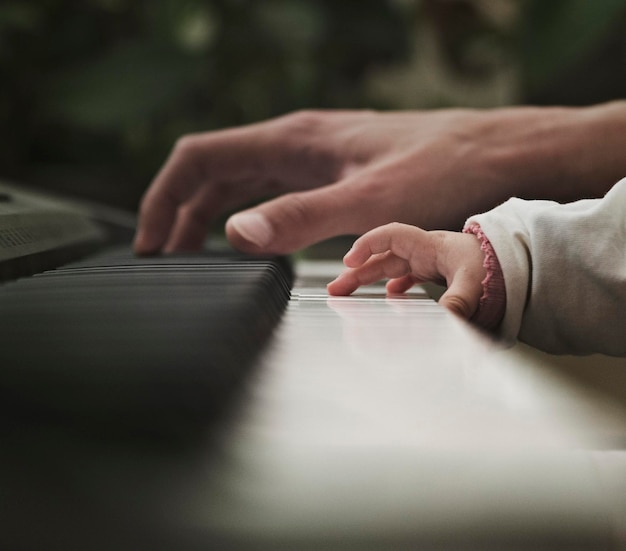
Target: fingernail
pixel 253 227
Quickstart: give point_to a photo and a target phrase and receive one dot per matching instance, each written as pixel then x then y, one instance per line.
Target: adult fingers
pixel 239 165
pixel 193 221
pixel 176 183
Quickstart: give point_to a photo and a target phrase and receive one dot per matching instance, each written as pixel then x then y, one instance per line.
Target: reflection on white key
pixel 377 421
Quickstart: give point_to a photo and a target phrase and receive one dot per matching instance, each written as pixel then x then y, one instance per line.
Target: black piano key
pixel 143 343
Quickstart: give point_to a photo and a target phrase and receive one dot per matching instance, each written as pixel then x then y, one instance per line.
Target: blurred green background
pixel 95 92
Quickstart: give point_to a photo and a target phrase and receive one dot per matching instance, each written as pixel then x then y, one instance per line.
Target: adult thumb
pixel 294 221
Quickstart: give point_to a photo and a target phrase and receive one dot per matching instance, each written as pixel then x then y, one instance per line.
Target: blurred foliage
pixel 556 34
pixel 95 92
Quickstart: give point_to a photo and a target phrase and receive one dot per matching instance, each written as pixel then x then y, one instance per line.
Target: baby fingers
pixel 402 240
pixel 377 267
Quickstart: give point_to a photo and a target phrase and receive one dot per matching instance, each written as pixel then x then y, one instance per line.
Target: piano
pixel 363 422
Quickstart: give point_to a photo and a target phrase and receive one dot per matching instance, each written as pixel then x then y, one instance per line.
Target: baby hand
pixel 409 255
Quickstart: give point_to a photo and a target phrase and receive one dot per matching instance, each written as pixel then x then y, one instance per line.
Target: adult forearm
pixel 557 153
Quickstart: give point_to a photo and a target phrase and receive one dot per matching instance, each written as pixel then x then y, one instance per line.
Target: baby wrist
pixel 492 304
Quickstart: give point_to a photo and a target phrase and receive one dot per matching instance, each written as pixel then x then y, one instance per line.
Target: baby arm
pixel 564 266
pixel 408 255
pixel 552 275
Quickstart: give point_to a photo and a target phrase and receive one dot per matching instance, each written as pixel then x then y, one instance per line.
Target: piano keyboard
pixel 155 344
pixel 363 422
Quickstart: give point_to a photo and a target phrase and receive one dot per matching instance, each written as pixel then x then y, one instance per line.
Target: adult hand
pixel 345 172
pixel 334 172
pixel 409 255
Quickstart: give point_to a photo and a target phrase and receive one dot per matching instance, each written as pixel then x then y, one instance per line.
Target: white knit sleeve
pixel 564 268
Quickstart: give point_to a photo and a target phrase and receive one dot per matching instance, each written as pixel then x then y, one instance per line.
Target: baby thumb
pixel 462 296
